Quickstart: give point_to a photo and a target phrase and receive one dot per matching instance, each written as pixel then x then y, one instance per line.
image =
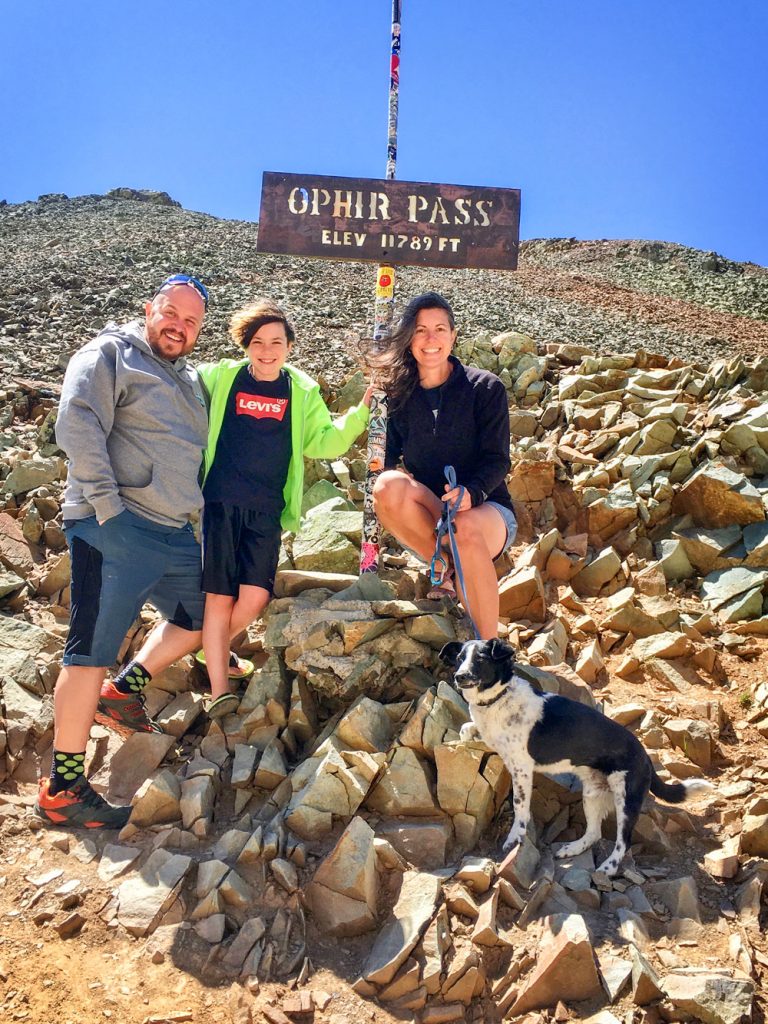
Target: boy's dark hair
pixel 248 320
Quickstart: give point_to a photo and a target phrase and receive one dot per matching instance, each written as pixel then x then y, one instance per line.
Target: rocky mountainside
pixel 67 266
pixel 331 851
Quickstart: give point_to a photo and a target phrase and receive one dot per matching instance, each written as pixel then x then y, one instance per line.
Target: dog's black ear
pixel 450 653
pixel 500 651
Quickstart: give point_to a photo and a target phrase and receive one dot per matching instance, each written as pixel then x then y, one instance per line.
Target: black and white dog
pixel 536 731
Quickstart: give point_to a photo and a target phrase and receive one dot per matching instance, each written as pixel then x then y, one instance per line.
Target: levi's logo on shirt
pixel 260 408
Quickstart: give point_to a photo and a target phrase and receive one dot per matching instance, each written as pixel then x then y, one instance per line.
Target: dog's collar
pixel 487 703
pixel 504 689
pixel 480 703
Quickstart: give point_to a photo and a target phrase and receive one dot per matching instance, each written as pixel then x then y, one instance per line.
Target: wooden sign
pixel 396 222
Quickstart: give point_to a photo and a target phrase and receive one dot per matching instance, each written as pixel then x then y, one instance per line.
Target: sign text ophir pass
pixel 389 221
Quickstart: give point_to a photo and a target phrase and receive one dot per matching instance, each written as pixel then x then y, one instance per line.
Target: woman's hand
pixel 368 395
pixel 452 495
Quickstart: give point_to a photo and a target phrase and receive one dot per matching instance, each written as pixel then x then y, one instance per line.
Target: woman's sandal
pixel 444 588
pixel 226 704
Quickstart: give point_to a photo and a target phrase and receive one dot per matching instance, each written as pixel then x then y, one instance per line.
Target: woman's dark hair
pixel 390 360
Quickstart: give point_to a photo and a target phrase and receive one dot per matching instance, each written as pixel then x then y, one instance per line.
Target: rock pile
pixel 339 801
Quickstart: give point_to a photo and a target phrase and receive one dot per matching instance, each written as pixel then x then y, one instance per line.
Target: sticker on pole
pixel 385 283
pixel 391 222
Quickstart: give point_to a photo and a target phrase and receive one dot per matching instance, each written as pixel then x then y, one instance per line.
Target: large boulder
pixel 31 473
pixel 754 834
pixel 715 496
pixel 612 513
pixel 406 786
pixel 29 655
pixel 15 553
pixel 724 585
pixel 597 573
pixel 410 916
pixel 327 789
pixel 329 541
pixel 146 896
pixel 471 786
pixel 532 480
pixel 521 595
pixel 342 893
pixel 28 717
pixel 711 997
pixel 565 967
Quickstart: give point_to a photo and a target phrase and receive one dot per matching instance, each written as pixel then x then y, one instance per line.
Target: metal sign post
pixel 390 223
pixel 383 312
pixel 384 303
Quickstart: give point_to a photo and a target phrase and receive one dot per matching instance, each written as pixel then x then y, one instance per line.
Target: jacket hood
pixel 133 333
pixel 299 377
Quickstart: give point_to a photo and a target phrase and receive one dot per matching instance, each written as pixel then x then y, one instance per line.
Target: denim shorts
pixel 509 521
pixel 116 567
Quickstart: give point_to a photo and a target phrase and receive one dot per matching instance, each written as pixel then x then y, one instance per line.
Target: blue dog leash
pixel 446 527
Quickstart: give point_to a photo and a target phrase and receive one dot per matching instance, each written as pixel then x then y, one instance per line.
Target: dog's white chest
pixel 506 724
pixel 500 729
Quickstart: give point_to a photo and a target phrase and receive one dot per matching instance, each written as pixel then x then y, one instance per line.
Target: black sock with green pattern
pixel 132 678
pixel 65 770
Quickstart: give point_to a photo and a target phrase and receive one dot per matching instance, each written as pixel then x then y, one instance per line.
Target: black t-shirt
pixel 432 396
pixel 253 452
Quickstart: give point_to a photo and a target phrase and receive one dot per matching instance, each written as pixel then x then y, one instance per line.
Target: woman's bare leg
pixel 480 536
pixel 409 510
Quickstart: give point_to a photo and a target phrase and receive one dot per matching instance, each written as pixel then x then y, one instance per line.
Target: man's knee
pixel 76 675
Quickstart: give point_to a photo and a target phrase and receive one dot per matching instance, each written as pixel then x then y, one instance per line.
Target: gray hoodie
pixel 134 427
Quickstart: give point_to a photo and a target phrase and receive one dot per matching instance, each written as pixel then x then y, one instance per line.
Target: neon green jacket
pixel 313 432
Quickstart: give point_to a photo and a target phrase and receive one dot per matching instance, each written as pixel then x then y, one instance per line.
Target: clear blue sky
pixel 616 118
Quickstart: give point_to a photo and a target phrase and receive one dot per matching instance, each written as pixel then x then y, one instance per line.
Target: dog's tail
pixel 677 792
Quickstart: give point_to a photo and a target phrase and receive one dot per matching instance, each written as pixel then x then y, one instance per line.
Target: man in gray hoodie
pixel 133 422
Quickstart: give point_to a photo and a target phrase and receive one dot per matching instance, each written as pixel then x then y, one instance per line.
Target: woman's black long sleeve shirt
pixel 470 433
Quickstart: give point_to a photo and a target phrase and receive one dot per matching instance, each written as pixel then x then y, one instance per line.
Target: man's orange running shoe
pixel 125 708
pixel 79 806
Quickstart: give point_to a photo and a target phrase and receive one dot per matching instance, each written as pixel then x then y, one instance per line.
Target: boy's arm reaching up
pixel 326 437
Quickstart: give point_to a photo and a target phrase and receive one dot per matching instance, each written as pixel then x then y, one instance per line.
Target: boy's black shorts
pixel 240 546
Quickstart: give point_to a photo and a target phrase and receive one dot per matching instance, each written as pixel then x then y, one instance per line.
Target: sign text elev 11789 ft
pixel 397 222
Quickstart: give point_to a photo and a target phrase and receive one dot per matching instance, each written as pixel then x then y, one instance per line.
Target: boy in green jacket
pixel 265 416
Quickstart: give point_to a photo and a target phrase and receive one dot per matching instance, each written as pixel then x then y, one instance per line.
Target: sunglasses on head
pixel 193 282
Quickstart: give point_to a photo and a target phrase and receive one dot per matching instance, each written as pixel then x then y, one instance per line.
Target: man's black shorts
pixel 241 546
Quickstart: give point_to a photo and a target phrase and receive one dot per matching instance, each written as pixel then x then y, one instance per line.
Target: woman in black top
pixel 444 413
